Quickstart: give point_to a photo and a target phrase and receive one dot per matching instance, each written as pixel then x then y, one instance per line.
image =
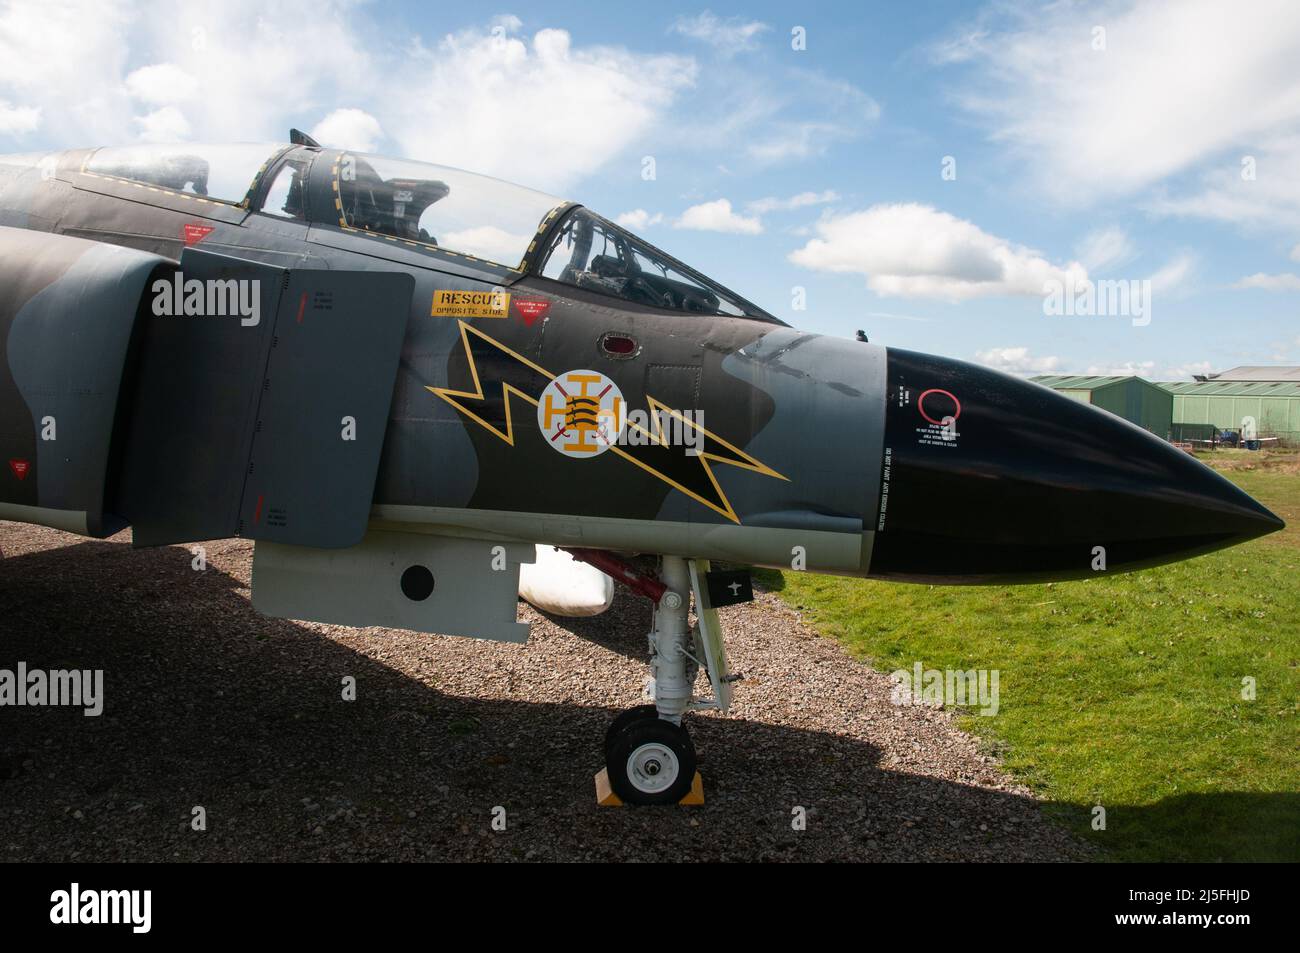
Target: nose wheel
pixel 650 761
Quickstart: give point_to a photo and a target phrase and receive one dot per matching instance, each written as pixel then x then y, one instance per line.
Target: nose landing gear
pixel 649 756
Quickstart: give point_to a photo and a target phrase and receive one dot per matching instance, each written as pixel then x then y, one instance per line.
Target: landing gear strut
pixel 649 757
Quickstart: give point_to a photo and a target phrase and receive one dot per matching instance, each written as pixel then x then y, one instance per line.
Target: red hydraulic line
pixel 617 568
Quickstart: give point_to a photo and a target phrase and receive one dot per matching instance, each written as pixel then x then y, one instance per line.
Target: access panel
pixel 261 400
pixel 324 407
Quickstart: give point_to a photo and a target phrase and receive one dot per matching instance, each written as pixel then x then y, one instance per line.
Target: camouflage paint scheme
pixel 864 460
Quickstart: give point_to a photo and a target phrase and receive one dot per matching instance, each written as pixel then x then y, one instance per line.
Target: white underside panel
pixel 472 584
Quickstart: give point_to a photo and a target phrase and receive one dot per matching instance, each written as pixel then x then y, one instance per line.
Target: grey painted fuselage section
pixel 794 419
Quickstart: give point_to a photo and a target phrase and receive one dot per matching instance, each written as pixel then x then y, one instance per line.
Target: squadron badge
pixel 581 413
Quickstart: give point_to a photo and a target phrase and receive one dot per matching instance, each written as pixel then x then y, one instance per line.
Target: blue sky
pixel 1090 142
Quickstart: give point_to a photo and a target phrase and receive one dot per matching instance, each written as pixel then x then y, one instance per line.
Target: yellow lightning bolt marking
pixel 749 463
pixel 449 395
pixel 746 462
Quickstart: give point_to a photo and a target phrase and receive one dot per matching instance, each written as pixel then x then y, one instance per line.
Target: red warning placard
pixel 20 468
pixel 530 309
pixel 194 233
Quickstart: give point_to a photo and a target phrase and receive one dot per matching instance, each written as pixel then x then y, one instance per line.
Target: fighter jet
pixel 401 379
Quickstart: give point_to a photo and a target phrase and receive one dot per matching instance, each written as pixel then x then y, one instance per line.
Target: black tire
pixel 624 720
pixel 636 746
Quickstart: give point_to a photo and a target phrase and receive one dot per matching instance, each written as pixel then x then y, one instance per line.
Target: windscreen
pixel 588 252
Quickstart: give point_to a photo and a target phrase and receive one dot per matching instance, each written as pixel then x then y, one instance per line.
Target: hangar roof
pixel 1081 381
pixel 1259 372
pixel 1234 388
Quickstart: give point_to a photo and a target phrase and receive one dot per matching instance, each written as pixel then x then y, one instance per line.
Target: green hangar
pixel 1273 405
pixel 1139 401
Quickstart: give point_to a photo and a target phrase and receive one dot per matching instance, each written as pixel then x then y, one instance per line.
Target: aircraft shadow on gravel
pixel 209 703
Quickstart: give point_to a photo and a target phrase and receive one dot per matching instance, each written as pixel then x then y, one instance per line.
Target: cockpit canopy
pixel 499 221
pixel 223 172
pixel 460 211
pixel 433 206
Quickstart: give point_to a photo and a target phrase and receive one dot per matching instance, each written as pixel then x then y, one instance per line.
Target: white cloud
pixel 1151 370
pixel 1295 253
pixel 829 112
pixel 768 117
pixel 17 120
pixel 1126 369
pixel 1105 247
pixel 961 48
pixel 1174 274
pixel 1284 350
pixel 508 22
pixel 1178 84
pixel 67 59
pixel 261 68
pixel 1283 282
pixel 349 129
pixel 1185 372
pixel 802 200
pixel 717 216
pixel 161 84
pixel 797 140
pixel 638 219
pixel 541 109
pixel 1270 199
pixel 167 124
pixel 247 75
pixel 1017 360
pixel 912 250
pixel 488 241
pixel 1022 362
pixel 730 36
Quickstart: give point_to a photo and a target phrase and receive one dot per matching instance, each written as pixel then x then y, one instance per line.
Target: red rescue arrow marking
pixel 20 468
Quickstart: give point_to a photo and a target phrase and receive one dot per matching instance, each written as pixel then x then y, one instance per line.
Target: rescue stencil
pixel 470 304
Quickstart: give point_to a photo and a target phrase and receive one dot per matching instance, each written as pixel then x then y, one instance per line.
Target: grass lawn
pixel 1124 691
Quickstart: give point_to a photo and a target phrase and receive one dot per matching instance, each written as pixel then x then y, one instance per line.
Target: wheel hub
pixel 652 768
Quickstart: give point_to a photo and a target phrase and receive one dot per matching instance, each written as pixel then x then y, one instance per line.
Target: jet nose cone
pixel 1209 503
pixel 1241 512
pixel 989 478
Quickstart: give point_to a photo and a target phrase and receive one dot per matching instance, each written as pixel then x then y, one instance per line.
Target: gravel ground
pixel 210 704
